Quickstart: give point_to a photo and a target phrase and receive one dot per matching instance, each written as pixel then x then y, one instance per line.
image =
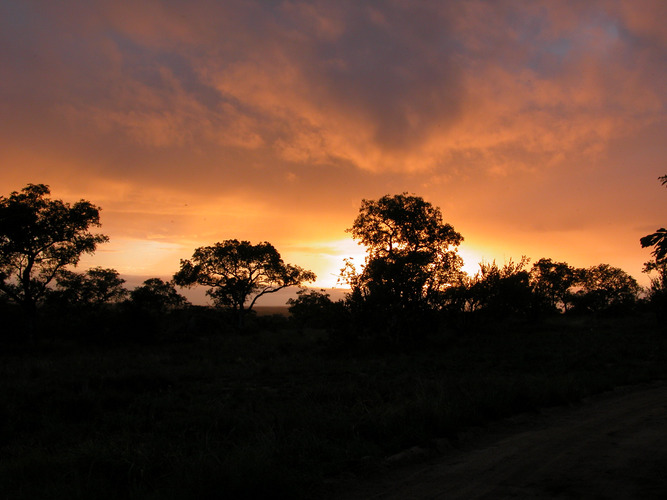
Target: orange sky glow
pixel 538 127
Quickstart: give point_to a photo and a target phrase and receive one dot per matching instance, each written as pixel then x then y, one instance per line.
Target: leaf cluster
pixel 658 241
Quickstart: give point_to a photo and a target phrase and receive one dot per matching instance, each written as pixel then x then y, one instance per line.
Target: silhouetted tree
pixel 657 240
pixel 239 273
pixel 657 268
pixel 38 238
pixel 604 287
pixel 551 283
pixel 657 291
pixel 94 287
pixel 411 258
pixel 153 312
pixel 156 295
pixel 458 302
pixel 501 292
pixel 315 309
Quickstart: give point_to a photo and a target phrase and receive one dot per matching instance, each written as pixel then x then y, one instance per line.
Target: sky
pixel 538 127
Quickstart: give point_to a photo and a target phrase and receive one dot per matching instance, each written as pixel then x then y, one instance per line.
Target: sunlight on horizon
pixel 471 258
pixel 327 259
pixel 155 258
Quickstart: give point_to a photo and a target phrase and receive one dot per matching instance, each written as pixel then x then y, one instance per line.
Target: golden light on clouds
pixel 537 127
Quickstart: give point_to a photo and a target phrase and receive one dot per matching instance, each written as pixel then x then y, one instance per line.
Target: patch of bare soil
pixel 612 446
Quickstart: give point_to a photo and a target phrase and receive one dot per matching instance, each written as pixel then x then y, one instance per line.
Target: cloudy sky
pixel 538 127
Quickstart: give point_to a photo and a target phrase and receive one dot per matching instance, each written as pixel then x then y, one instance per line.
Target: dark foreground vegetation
pixel 111 393
pixel 280 412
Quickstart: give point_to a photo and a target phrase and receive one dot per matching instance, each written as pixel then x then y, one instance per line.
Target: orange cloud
pixel 271 120
pixel 401 88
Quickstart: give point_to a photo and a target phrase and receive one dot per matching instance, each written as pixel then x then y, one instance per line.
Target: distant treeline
pixel 410 286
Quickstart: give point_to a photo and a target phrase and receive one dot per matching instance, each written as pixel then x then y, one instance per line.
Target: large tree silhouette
pixel 239 273
pixel 410 258
pixel 38 238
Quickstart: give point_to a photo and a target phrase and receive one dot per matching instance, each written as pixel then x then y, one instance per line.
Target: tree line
pixel 412 280
pixel 410 284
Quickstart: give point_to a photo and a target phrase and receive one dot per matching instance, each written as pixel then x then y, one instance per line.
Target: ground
pixel 612 446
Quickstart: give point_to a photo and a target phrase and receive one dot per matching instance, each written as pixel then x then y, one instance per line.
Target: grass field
pixel 269 310
pixel 279 414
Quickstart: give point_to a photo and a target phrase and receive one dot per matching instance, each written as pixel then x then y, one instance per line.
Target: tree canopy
pixel 402 224
pixel 551 282
pixel 38 238
pixel 502 291
pixel 238 273
pixel 313 308
pixel 95 287
pixel 604 286
pixel 411 258
pixel 157 295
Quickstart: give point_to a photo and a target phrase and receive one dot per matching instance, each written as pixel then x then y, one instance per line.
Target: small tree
pixel 239 273
pixel 156 295
pixel 605 287
pixel 38 238
pixel 314 309
pixel 95 287
pixel 501 292
pixel 153 311
pixel 551 283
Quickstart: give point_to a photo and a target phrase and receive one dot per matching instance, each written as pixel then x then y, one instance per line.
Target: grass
pixel 277 414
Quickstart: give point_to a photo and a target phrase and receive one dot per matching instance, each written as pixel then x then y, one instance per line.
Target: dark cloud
pixel 394 69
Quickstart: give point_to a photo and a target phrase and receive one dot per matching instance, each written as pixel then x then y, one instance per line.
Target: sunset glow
pixel 537 127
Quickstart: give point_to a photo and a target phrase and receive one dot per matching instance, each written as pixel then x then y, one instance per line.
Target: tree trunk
pixel 30 315
pixel 241 318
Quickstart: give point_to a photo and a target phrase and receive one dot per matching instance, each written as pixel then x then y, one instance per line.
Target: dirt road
pixel 613 446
